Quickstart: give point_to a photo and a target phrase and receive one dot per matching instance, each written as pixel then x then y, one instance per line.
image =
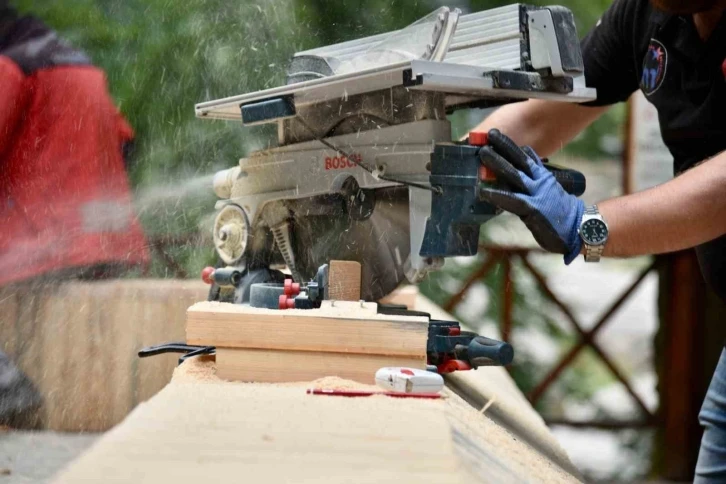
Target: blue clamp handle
pixel 483 351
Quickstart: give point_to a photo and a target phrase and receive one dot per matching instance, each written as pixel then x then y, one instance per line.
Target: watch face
pixel 594 232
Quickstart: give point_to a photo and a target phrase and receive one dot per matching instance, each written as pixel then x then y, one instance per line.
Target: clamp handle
pixel 483 351
pixel 176 347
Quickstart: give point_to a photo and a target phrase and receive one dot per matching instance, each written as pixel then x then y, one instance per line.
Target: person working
pixel 675 52
pixel 65 200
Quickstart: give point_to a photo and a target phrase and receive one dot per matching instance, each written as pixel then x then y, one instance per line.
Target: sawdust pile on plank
pixel 203 370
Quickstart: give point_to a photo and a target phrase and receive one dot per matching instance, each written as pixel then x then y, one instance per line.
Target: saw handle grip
pixel 572 181
pixel 483 351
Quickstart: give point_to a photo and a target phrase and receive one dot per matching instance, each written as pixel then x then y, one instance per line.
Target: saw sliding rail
pixel 466 85
pixel 494 55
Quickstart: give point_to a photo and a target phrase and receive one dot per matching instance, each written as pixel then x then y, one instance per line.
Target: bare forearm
pixel 680 214
pixel 546 126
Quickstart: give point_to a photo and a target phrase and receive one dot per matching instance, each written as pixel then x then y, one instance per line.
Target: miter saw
pixel 365 168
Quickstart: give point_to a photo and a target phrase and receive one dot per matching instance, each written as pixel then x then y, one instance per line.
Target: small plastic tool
pixel 409 380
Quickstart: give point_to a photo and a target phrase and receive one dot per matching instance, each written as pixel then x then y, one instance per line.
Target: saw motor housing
pixel 382 102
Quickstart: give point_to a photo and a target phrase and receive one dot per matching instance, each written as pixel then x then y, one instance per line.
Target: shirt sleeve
pixel 608 53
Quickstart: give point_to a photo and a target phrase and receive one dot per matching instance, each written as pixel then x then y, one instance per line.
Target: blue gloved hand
pixel 530 191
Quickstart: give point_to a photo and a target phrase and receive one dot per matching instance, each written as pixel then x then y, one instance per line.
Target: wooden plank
pixel 75 358
pixel 340 327
pixel 121 320
pixel 279 434
pixel 155 331
pixel 8 318
pixel 62 320
pixel 77 341
pixel 29 349
pixel 493 387
pixel 344 280
pixel 271 366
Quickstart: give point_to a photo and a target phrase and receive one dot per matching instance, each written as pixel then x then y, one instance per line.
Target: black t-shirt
pixel 635 46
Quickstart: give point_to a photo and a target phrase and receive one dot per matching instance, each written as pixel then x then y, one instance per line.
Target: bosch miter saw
pixel 366 169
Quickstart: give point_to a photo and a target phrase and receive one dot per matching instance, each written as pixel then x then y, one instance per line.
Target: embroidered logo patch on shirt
pixel 654 67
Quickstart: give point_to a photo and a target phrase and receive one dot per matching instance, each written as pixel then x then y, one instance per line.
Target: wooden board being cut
pixel 250 365
pixel 345 339
pixel 339 327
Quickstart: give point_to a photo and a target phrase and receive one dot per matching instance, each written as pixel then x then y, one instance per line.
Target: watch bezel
pixel 585 238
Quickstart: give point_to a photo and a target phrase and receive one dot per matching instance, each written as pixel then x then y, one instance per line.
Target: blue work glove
pixel 526 188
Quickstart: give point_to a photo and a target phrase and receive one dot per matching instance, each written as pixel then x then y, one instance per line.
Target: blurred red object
pixel 65 200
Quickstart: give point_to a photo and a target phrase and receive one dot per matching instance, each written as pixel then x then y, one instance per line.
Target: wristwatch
pixel 594 233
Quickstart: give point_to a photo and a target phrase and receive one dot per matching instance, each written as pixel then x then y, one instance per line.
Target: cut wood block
pixel 344 280
pixel 273 366
pixel 337 327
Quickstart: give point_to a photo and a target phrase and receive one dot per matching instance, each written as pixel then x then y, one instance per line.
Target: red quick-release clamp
pixel 477 138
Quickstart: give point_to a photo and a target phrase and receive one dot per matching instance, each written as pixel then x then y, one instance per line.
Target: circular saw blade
pixel 381 243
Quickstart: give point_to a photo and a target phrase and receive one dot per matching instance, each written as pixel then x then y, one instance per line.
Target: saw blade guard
pixel 427 38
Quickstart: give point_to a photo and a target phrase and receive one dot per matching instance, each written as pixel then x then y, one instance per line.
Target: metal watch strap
pixel 593 253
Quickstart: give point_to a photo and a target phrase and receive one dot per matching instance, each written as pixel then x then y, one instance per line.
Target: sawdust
pixel 201 369
pixel 335 383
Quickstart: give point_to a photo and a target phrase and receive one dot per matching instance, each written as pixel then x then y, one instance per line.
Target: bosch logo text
pixel 342 162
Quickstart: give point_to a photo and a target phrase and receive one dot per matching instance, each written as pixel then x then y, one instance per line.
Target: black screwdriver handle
pixel 484 351
pixel 572 181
